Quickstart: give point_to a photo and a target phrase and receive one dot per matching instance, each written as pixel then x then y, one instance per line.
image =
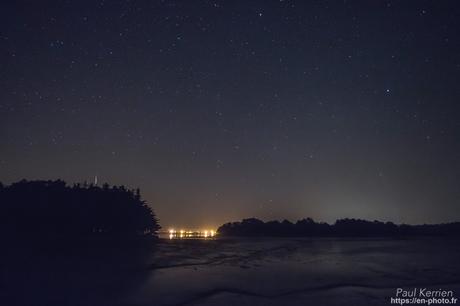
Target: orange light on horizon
pixel 171 233
pixel 184 233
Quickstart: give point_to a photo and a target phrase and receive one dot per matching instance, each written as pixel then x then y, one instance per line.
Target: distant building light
pixel 191 234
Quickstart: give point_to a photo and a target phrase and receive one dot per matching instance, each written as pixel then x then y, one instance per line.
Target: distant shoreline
pixel 253 227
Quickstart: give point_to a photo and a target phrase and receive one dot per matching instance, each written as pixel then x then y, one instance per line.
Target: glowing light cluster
pixel 174 234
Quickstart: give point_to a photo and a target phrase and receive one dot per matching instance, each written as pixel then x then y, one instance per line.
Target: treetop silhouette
pixel 341 228
pixel 52 208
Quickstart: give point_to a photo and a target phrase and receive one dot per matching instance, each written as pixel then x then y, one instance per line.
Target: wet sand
pixel 258 271
pixel 283 271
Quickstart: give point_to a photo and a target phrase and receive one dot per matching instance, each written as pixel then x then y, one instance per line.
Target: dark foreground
pixel 258 271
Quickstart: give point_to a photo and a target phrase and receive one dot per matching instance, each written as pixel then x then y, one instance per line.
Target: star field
pixel 220 110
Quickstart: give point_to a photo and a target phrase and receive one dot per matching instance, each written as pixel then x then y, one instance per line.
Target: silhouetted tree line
pixel 51 209
pixel 341 228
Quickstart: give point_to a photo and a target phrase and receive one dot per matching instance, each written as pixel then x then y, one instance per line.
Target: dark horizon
pixel 24 186
pixel 220 110
pixel 57 213
pixel 213 224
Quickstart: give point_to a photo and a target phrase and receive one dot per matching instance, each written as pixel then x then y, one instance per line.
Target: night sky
pixel 222 110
